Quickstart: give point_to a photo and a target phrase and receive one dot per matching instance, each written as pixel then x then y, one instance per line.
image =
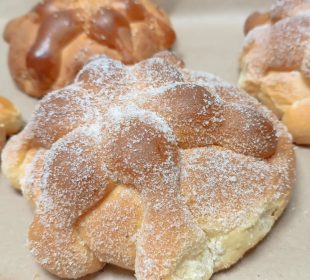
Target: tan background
pixel 209 38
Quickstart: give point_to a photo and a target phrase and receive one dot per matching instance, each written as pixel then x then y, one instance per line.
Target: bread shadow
pixel 111 272
pixel 108 272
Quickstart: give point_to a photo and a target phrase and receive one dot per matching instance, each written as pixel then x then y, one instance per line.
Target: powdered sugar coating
pixel 142 141
pixel 225 197
pixel 275 63
pixel 280 44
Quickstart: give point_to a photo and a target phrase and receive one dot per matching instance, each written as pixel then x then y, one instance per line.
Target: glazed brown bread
pixel 275 63
pixel 10 120
pixel 50 44
pixel 155 168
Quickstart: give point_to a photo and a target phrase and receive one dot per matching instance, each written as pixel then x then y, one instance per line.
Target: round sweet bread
pixel 51 43
pixel 275 63
pixel 171 173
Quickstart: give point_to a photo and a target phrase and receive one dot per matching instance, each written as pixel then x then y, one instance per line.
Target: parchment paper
pixel 209 39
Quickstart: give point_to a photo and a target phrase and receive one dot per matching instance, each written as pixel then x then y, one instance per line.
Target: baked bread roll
pixel 10 120
pixel 275 63
pixel 155 168
pixel 50 44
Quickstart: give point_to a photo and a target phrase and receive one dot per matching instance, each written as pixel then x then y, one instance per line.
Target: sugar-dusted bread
pixel 10 120
pixel 275 63
pixel 50 43
pixel 155 168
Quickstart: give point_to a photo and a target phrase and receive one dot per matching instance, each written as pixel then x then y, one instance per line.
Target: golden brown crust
pixel 10 120
pixel 50 44
pixel 149 171
pixel 296 118
pixel 254 20
pixel 274 62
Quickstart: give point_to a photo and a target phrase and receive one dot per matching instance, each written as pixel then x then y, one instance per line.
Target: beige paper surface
pixel 209 39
